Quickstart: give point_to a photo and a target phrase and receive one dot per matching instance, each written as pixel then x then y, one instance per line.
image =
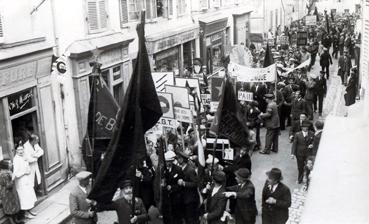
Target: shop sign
pixel 172 41
pixel 19 74
pixel 21 101
pixel 216 36
pixel 110 57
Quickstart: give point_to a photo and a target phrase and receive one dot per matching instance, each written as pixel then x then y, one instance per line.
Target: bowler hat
pixel 275 174
pixel 243 173
pixel 219 176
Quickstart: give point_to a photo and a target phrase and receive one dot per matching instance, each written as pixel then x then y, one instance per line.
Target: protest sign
pixel 166 103
pixel 247 74
pixel 180 96
pixel 205 99
pixel 283 40
pixel 161 79
pixel 183 115
pixel 193 83
pixel 302 38
pixel 245 96
pixel 310 20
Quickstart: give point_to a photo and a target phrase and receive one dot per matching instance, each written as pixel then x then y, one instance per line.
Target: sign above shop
pixel 20 101
pixel 16 75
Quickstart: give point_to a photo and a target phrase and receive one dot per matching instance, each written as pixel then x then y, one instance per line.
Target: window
pixel 113 78
pixel 130 9
pixel 204 4
pixel 182 6
pixel 216 3
pixel 97 17
pixel 1 28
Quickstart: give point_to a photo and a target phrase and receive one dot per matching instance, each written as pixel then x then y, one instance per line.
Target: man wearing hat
pixel 80 207
pixel 302 147
pixel 298 105
pixel 276 199
pixel 325 61
pixel 189 184
pixel 244 193
pixel 271 120
pixel 296 126
pixel 123 206
pixel 320 90
pixel 287 92
pixel 173 203
pixel 344 66
pixel 215 203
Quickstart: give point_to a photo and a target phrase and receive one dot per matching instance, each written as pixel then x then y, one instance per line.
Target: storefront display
pixel 167 61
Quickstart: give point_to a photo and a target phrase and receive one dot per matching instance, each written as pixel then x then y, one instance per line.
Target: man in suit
pixel 259 90
pixel 319 125
pixel 296 126
pixel 325 61
pixel 189 186
pixel 215 202
pixel 123 206
pixel 271 120
pixel 302 148
pixel 244 193
pixel 173 202
pixel 344 66
pixel 298 106
pixel 287 92
pixel 81 207
pixel 276 199
pixel 320 91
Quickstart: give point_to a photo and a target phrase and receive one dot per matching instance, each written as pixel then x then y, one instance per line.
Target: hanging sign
pixel 247 74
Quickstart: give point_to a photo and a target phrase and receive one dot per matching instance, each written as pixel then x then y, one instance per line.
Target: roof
pixel 100 42
pixel 213 18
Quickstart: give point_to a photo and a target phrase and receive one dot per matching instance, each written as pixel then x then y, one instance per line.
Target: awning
pixel 86 46
pixel 339 187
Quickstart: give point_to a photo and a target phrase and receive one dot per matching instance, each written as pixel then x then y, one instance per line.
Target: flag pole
pixel 214 149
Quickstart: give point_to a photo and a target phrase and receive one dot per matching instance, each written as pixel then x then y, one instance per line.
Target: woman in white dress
pixel 23 183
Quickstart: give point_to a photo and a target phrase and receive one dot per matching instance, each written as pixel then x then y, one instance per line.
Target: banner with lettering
pixel 245 96
pixel 310 20
pixel 247 74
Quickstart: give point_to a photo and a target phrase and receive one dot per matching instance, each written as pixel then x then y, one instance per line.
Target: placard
pixel 166 104
pixel 302 38
pixel 245 96
pixel 183 115
pixel 193 83
pixel 228 154
pixel 283 40
pixel 161 79
pixel 167 122
pixel 180 96
pixel 216 88
pixel 205 99
pixel 214 106
pixel 270 42
pixel 310 20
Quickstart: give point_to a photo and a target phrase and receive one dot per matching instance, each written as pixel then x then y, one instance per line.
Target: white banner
pixel 167 122
pixel 310 20
pixel 245 96
pixel 302 65
pixel 183 115
pixel 247 74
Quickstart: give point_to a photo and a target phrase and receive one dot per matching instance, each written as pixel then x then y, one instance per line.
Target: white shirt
pixel 215 190
pixel 83 189
pixel 273 187
pixel 304 134
pixel 317 132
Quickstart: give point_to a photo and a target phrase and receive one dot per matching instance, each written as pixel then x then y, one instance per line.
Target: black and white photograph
pixel 184 111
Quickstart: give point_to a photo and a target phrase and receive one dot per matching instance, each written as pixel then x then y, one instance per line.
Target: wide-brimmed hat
pixel 243 173
pixel 275 174
pixel 306 124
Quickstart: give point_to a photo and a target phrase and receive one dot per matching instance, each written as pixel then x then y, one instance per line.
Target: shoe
pixel 275 151
pixel 264 152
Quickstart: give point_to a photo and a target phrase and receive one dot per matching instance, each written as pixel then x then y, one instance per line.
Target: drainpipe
pixel 55 32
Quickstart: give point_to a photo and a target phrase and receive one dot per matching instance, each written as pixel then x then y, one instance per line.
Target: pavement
pixel 55 208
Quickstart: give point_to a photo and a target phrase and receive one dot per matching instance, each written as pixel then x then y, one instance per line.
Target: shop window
pixel 113 78
pixel 217 56
pixel 182 7
pixel 97 18
pixel 167 61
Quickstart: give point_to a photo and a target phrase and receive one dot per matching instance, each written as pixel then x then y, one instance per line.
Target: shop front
pixel 29 104
pixel 115 70
pixel 213 41
pixel 174 50
pixel 241 24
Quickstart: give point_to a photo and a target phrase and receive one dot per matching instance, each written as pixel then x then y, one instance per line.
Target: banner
pixel 302 65
pixel 245 96
pixel 246 74
pixel 161 79
pixel 310 20
pixel 180 96
pixel 166 104
pixel 216 87
pixel 283 40
pixel 302 38
pixel 183 115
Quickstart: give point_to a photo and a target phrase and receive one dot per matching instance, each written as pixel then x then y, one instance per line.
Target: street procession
pixel 184 112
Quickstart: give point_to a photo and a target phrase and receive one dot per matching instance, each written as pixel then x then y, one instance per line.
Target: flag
pixel 317 14
pixel 327 21
pixel 268 59
pixel 101 120
pixel 140 110
pixel 227 121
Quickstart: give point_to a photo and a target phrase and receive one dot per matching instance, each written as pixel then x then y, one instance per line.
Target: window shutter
pixel 124 11
pixel 1 27
pixel 92 16
pixel 103 15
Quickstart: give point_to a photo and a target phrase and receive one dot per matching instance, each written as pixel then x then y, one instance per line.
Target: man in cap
pixel 271 120
pixel 344 66
pixel 189 184
pixel 123 206
pixel 320 91
pixel 173 203
pixel 244 193
pixel 81 207
pixel 302 147
pixel 276 199
pixel 325 61
pixel 296 125
pixel 215 201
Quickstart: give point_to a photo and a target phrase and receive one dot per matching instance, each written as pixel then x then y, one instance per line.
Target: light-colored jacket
pixel 32 153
